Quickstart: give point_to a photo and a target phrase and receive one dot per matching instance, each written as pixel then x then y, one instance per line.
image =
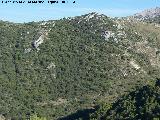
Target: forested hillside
pixel 52 69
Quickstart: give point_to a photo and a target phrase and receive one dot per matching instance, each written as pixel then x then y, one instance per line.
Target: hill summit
pixel 148 14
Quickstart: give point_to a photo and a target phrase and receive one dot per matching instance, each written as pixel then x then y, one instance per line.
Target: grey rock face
pixel 149 13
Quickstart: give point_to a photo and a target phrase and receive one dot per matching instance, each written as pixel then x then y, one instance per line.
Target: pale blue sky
pixel 37 12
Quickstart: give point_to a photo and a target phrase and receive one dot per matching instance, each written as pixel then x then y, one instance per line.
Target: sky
pixel 27 12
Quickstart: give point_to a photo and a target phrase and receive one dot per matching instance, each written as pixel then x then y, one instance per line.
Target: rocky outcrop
pixel 2 117
pixel 147 14
pixel 51 65
pixel 107 34
pixel 135 65
pixel 27 50
pixel 40 40
pixel 43 33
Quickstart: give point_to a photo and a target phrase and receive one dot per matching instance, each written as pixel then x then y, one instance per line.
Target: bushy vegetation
pixel 154 20
pixel 73 69
pixel 143 104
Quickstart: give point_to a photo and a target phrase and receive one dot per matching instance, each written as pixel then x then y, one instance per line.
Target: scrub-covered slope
pixel 55 68
pixel 143 104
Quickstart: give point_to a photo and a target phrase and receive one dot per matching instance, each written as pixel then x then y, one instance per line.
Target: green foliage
pixel 74 67
pixel 101 111
pixel 35 117
pixel 143 103
pixel 154 20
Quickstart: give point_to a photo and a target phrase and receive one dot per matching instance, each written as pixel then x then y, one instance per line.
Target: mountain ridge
pixel 148 14
pixel 57 67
